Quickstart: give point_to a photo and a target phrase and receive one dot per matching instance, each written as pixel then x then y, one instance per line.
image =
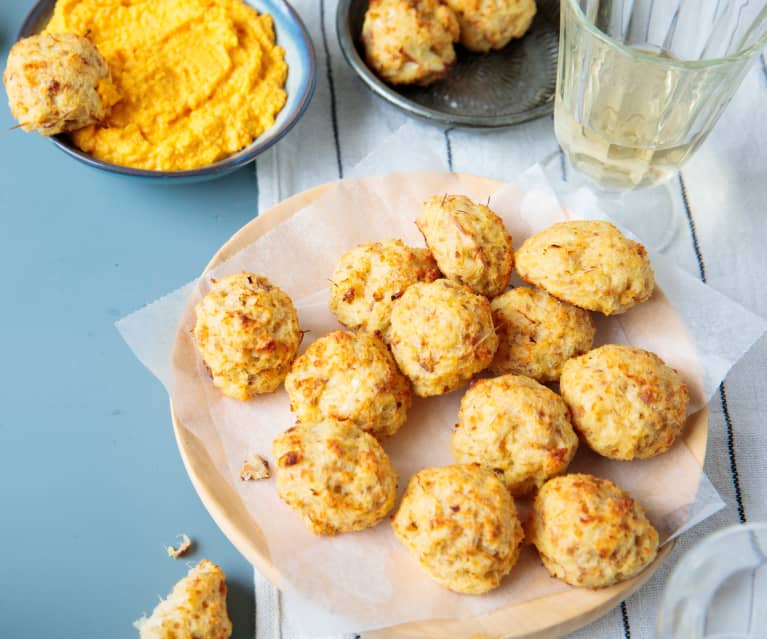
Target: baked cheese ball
pixel 441 335
pixel 196 607
pixel 468 241
pixel 247 333
pixel 589 264
pixel 537 333
pixel 625 401
pixel 492 24
pixel 517 428
pixel 369 278
pixel 461 524
pixel 409 41
pixel 589 532
pixel 350 377
pixel 337 477
pixel 57 83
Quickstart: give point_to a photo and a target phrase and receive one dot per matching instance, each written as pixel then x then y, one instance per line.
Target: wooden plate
pixel 549 617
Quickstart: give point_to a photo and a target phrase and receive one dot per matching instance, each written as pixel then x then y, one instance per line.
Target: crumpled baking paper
pixel 366 580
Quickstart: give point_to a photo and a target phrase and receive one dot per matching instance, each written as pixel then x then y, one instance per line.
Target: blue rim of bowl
pixel 235 161
pixel 383 90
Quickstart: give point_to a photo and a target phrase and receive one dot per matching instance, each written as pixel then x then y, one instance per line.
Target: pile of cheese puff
pixel 411 41
pixel 426 321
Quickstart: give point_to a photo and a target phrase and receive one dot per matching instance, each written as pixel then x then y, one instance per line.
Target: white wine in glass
pixel 641 83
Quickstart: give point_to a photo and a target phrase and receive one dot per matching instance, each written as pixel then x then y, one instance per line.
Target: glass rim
pixel 694 557
pixel 704 544
pixel 638 54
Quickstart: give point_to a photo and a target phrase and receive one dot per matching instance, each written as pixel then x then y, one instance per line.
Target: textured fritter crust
pixel 517 428
pixel 196 607
pixel 491 24
pixel 625 401
pixel 54 81
pixel 538 333
pixel 441 335
pixel 589 532
pixel 461 524
pixel 469 242
pixel 589 264
pixel 344 376
pixel 337 477
pixel 369 278
pixel 409 41
pixel 247 333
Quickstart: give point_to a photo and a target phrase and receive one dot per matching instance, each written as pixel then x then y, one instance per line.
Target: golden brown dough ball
pixel 461 524
pixel 337 477
pixel 409 41
pixel 589 532
pixel 196 607
pixel 247 333
pixel 491 24
pixel 350 377
pixel 538 333
pixel 517 428
pixel 469 242
pixel 625 401
pixel 55 83
pixel 441 335
pixel 588 264
pixel 369 278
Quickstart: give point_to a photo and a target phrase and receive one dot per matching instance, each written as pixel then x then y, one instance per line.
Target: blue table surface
pixel 92 487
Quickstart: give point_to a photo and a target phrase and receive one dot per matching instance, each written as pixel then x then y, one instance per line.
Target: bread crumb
pixel 255 467
pixel 182 549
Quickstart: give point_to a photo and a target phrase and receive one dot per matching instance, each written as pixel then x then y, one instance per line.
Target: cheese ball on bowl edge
pixel 369 278
pixel 589 264
pixel 247 334
pixel 492 24
pixel 334 475
pixel 461 524
pixel 350 377
pixel 517 428
pixel 538 333
pixel 589 532
pixel 626 402
pixel 441 335
pixel 57 83
pixel 409 41
pixel 468 241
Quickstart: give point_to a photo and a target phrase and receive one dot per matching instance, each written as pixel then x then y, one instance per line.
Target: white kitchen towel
pixel 721 238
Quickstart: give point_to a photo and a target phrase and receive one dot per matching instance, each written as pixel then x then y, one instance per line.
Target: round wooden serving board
pixel 550 617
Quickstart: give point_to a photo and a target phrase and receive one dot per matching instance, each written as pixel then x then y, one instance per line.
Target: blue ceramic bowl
pixel 302 74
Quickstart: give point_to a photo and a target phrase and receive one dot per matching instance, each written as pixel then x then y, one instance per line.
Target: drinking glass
pixel 719 588
pixel 641 83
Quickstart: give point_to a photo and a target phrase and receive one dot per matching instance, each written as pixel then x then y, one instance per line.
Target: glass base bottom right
pixel 718 590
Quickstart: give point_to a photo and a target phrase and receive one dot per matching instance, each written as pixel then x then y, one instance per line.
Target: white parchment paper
pixel 365 580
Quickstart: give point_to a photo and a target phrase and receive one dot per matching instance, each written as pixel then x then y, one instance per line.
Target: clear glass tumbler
pixel 641 83
pixel 719 588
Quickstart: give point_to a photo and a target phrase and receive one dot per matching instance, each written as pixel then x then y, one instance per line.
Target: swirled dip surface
pixel 198 79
